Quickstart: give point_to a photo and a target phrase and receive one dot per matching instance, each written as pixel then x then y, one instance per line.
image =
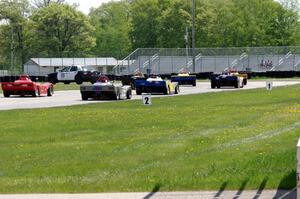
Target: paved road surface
pixel 239 194
pixel 67 98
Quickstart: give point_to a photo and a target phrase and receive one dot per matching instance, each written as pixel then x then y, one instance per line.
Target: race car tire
pixel 194 83
pixel 236 85
pixel 167 91
pixel 50 91
pixel 212 85
pixel 242 85
pixel 218 85
pixel 176 89
pixel 245 82
pixel 138 91
pixel 6 93
pixel 78 80
pixel 36 93
pixel 84 97
pixel 129 94
pixel 114 96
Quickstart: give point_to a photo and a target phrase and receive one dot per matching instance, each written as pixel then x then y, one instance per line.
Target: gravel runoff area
pixel 73 97
pixel 239 194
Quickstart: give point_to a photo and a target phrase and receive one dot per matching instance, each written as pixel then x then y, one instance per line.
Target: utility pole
pixel 12 50
pixel 193 36
pixel 186 38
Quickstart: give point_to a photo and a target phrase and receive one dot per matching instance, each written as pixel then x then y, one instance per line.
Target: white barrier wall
pixel 298 169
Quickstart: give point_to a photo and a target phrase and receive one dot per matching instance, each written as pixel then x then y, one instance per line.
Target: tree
pixel 45 3
pixel 112 24
pixel 145 21
pixel 172 24
pixel 15 13
pixel 60 30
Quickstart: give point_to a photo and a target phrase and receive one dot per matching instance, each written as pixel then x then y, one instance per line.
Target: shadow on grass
pixel 222 188
pixel 288 182
pixel 261 188
pixel 154 190
pixel 241 189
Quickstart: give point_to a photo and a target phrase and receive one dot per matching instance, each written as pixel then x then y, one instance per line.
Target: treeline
pixel 53 28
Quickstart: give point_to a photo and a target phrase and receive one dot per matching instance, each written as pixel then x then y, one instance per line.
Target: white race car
pixel 104 89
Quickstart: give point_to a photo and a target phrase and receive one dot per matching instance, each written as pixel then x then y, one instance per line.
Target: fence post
pixel 158 64
pixel 128 68
pixel 215 70
pixel 172 62
pixel 294 63
pixel 298 169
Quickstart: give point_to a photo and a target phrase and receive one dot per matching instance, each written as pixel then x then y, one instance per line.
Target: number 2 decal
pixel 147 100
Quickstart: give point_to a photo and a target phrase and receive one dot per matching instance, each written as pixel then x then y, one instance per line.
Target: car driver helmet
pixel 24 77
pixel 103 79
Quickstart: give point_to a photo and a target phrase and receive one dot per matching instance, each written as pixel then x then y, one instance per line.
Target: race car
pixel 184 78
pixel 24 86
pixel 78 74
pixel 156 85
pixel 228 78
pixel 104 89
pixel 130 80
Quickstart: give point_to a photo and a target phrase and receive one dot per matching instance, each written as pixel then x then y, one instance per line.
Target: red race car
pixel 24 86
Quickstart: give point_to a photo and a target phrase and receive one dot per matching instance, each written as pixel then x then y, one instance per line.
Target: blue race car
pixel 156 85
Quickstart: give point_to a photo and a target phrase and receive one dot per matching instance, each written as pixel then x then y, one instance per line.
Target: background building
pixel 44 66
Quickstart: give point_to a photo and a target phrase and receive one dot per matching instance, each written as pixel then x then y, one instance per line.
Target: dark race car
pixel 24 86
pixel 130 80
pixel 228 78
pixel 184 78
pixel 78 74
pixel 104 89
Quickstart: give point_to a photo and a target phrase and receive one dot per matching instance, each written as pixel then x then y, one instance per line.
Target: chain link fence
pixel 171 60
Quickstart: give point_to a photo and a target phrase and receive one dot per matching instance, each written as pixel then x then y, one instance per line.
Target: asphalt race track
pixel 73 97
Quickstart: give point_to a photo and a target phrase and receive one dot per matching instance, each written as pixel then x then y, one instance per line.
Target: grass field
pixel 233 140
pixel 62 86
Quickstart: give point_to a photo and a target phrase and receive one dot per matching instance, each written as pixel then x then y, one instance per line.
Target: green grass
pixel 62 86
pixel 196 142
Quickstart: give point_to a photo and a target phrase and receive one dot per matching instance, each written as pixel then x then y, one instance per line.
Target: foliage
pixel 190 143
pixel 58 30
pixel 45 3
pixel 112 25
pixel 172 24
pixel 13 15
pixel 145 15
